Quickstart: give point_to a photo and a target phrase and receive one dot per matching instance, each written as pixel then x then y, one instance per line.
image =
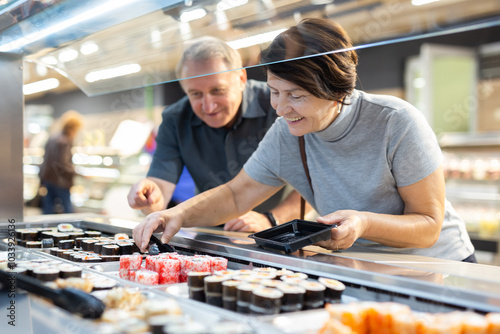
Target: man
pixel 213 131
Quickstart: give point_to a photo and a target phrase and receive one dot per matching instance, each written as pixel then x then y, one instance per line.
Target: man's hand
pixel 145 194
pixel 250 222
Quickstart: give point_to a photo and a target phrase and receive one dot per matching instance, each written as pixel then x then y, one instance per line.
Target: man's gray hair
pixel 206 48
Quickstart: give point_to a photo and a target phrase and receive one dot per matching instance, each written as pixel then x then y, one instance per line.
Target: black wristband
pixel 271 218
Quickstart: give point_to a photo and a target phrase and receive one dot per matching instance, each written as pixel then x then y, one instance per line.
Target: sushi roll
pixel 293 297
pixel 67 254
pixel 126 248
pixel 66 271
pixel 158 324
pixel 147 277
pixel 103 284
pixel 79 240
pixel 493 319
pixel 266 301
pixel 334 289
pixel 110 258
pixel 76 234
pixel 244 296
pixel 59 236
pixel 66 244
pixel 88 244
pixel 46 274
pixel 196 279
pixel 169 270
pixel 197 264
pixel 294 278
pixel 98 246
pixel 218 264
pixel 121 236
pixel 213 289
pixel 29 235
pixel 65 227
pixel 91 259
pixel 129 262
pixel 47 243
pixel 93 234
pixel 229 292
pixel 33 244
pixel 110 250
pixel 283 272
pixel 315 294
pixel 266 270
pixel 54 251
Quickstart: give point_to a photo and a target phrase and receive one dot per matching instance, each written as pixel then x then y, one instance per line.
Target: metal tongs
pixel 162 248
pixel 72 300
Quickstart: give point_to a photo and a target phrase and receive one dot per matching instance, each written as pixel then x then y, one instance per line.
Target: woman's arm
pixel 209 208
pixel 418 227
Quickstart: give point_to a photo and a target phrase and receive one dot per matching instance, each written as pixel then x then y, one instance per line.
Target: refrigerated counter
pixel 425 284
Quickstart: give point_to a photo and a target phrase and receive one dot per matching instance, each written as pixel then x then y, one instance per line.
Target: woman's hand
pixel 167 221
pixel 350 226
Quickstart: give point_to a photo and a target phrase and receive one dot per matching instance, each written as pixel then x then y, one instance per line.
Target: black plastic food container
pixel 293 235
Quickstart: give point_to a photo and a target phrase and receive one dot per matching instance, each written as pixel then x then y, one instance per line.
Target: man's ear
pixel 243 77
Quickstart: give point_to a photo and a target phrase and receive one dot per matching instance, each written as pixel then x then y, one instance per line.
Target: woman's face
pixel 303 112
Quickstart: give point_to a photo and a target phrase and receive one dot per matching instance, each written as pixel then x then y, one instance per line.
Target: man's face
pixel 215 98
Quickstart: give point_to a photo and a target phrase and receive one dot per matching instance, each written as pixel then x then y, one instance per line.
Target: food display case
pixel 144 39
pixel 426 285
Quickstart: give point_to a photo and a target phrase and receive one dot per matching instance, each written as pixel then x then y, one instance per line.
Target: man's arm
pixel 253 221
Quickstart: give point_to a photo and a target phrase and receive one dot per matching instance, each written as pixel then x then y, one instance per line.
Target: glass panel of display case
pixel 109 46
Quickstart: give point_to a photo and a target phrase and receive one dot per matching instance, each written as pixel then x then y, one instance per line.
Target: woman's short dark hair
pixel 328 76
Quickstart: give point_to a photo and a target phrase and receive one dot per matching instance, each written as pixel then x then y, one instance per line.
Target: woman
pixel 57 170
pixel 374 162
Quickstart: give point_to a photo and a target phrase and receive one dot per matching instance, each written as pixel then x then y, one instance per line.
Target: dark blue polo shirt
pixel 213 156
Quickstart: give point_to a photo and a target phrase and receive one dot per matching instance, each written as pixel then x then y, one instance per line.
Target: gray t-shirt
pixel 376 144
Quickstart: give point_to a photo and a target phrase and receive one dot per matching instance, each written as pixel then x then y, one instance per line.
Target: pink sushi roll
pixel 218 264
pixel 131 274
pixel 150 262
pixel 128 262
pixel 168 270
pixel 146 277
pixel 200 264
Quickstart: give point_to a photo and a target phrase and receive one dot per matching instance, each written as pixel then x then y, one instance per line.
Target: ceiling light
pixel 227 4
pixel 254 40
pixel 85 16
pixel 421 2
pixel 194 14
pixel 40 86
pixel 41 70
pixel 50 60
pixel 68 55
pixel 88 48
pixel 112 72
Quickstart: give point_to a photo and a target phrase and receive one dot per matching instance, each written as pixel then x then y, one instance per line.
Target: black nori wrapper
pixel 66 244
pixel 196 279
pixel 47 243
pixel 46 274
pixel 33 244
pixel 126 248
pixel 93 234
pixel 70 271
pixel 110 250
pixel 266 301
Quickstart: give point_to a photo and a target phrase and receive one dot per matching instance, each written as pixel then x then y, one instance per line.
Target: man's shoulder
pixel 177 108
